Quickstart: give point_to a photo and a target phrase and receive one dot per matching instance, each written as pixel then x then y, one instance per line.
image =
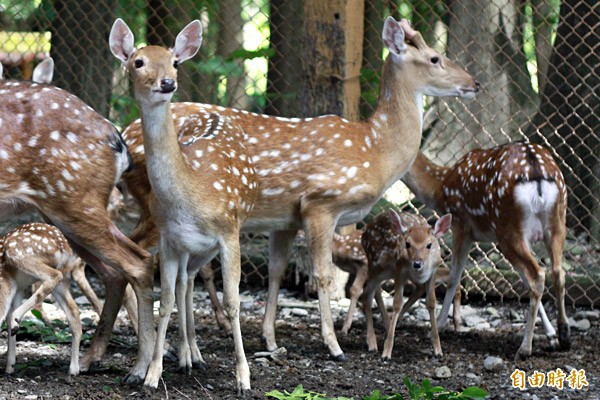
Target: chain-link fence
pixel 537 62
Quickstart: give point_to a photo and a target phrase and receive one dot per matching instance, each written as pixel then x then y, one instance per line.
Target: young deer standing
pixel 52 143
pixel 402 247
pixel 514 195
pixel 316 173
pixel 36 253
pixel 202 191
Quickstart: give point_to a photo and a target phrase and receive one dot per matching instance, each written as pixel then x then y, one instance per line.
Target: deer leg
pixel 49 279
pixel 460 252
pixel 169 266
pixel 388 345
pixel 197 360
pixel 414 296
pixel 108 246
pixel 185 356
pixel 367 302
pixel 65 300
pixel 11 354
pixel 517 252
pixel 78 275
pixel 232 271
pixel 208 276
pixel 319 227
pixel 40 306
pixel 385 318
pixel 280 247
pixel 431 302
pixel 554 243
pixel 355 292
pixel 130 304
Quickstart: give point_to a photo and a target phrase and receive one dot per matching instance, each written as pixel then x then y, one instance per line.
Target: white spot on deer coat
pixel 273 192
pixel 54 135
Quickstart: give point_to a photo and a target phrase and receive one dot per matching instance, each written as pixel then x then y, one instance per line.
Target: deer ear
pixel 44 71
pixel 393 37
pixel 442 225
pixel 397 221
pixel 120 40
pixel 188 41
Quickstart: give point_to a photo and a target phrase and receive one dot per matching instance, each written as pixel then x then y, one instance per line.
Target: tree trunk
pixel 568 116
pixel 543 23
pixel 484 38
pixel 82 58
pixel 230 39
pixel 284 66
pixel 332 55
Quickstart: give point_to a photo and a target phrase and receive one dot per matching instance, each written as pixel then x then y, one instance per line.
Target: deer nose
pixel 167 85
pixel 417 264
pixel 477 86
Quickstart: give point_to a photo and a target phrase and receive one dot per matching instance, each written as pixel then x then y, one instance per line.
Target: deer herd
pixel 202 174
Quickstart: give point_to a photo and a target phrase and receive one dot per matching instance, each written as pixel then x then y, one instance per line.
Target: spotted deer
pixel 43 73
pixel 316 173
pixel 514 195
pixel 402 247
pixel 202 190
pixel 61 157
pixel 349 255
pixel 36 253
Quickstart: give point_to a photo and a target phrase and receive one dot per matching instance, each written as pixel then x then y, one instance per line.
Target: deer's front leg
pixel 460 251
pixel 280 247
pixel 431 302
pixel 388 346
pixel 319 227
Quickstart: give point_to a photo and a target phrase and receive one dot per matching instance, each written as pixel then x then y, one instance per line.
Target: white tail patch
pixel 536 198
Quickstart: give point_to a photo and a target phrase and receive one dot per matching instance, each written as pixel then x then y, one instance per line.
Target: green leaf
pixel 474 392
pixel 37 314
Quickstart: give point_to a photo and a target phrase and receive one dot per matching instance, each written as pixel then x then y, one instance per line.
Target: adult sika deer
pixel 61 157
pixel 514 195
pixel 316 173
pixel 202 191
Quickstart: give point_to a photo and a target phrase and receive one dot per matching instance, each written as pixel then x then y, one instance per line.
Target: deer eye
pixel 429 245
pixel 175 64
pixel 407 245
pixel 435 60
pixel 139 63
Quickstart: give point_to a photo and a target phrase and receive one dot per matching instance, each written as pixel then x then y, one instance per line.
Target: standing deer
pixel 62 158
pixel 202 191
pixel 36 253
pixel 402 247
pixel 514 195
pixel 349 255
pixel 317 173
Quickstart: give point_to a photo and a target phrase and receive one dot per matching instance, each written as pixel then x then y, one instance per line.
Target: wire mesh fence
pixel 537 62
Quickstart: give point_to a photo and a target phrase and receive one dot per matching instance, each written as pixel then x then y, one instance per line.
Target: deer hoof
pixel 243 393
pixel 521 355
pixel 201 365
pixel 340 357
pixel 385 359
pixel 564 336
pixel 133 379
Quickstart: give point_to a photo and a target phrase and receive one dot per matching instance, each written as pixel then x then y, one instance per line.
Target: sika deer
pixel 402 247
pixel 30 253
pixel 62 158
pixel 202 191
pixel 514 195
pixel 349 255
pixel 316 173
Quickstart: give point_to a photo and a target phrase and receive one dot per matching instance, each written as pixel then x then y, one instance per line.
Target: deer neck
pixel 398 119
pixel 426 179
pixel 166 166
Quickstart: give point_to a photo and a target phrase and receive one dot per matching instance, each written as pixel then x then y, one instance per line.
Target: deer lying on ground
pixel 202 191
pixel 402 247
pixel 513 195
pixel 53 144
pixel 36 253
pixel 317 173
pixel 349 255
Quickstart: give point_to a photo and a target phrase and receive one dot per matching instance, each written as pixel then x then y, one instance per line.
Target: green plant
pixel 424 391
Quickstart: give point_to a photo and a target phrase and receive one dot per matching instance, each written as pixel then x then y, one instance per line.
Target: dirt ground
pixel 43 373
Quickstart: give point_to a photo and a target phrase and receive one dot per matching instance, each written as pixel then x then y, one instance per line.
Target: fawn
pixel 402 247
pixel 37 253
